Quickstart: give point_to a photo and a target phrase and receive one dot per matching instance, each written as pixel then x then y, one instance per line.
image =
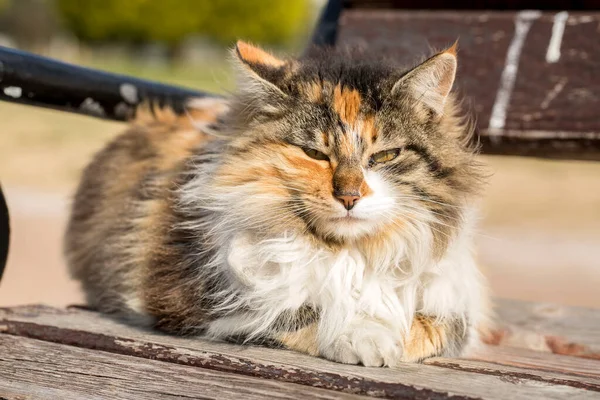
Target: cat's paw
pixel 369 343
pixel 430 337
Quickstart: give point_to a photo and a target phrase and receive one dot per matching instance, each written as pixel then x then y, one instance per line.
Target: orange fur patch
pixel 426 339
pixel 326 139
pixel 452 49
pixel 313 92
pixel 303 340
pixel 368 128
pixel 206 110
pixel 312 168
pixel 346 103
pixel 253 55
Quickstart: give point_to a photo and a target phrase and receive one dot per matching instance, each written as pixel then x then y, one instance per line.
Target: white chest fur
pixel 273 276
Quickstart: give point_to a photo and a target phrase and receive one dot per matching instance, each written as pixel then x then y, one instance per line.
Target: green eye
pixel 316 154
pixel 384 156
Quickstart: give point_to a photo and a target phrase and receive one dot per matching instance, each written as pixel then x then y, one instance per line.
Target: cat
pixel 327 207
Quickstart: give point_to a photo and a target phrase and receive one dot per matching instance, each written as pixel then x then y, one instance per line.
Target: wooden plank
pixel 558 91
pixel 546 144
pixel 41 370
pixel 573 331
pixel 475 4
pixel 530 100
pixel 537 370
pixel 93 331
pixel 524 358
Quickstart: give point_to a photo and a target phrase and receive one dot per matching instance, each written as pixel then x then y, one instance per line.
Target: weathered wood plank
pixel 535 372
pixel 34 369
pixel 530 101
pixel 546 144
pixel 90 330
pixel 485 38
pixel 564 330
pixel 560 93
pixel 524 358
pixel 475 4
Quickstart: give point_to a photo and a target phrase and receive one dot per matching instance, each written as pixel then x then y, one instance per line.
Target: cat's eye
pixel 384 156
pixel 316 154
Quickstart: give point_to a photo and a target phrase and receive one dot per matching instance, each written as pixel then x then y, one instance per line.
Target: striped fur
pixel 233 220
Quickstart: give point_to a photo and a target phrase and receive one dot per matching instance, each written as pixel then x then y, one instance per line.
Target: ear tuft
pixel 452 50
pixel 261 76
pixel 256 57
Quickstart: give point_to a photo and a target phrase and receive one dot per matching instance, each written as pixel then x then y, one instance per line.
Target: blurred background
pixel 540 231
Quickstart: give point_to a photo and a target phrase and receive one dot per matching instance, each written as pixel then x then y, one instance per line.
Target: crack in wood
pixel 153 351
pixel 516 377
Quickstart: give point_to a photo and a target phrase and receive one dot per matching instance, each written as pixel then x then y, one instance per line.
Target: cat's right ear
pixel 431 82
pixel 260 67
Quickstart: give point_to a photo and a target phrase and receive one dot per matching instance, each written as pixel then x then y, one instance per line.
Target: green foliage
pixel 170 21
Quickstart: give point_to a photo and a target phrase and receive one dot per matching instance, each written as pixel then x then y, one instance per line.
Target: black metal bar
pixel 326 30
pixel 4 233
pixel 29 79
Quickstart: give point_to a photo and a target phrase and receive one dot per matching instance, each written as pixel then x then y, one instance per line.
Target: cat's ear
pixel 431 81
pixel 260 66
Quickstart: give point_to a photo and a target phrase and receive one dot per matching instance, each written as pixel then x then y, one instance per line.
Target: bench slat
pixel 537 371
pixel 42 370
pixel 90 330
pixel 475 4
pixel 525 358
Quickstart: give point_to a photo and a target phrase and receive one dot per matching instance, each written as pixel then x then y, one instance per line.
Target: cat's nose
pixel 349 200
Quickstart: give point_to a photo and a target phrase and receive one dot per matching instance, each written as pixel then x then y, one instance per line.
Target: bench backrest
pixel 531 76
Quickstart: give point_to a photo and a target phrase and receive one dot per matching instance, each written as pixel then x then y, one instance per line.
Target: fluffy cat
pixel 326 207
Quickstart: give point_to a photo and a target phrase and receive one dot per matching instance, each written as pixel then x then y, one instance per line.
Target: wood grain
pixel 524 358
pixel 34 369
pixel 537 371
pixel 92 331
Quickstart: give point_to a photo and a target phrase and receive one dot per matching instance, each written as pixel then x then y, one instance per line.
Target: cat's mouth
pixel 349 217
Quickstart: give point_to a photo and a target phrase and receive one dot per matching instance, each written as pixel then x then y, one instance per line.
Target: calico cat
pixel 326 207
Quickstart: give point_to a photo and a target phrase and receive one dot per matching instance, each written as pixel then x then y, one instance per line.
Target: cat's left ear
pixel 260 65
pixel 431 81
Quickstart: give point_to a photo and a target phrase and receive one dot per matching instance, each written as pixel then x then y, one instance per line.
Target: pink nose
pixel 348 200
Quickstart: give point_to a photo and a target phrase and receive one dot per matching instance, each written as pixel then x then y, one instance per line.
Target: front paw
pixel 368 343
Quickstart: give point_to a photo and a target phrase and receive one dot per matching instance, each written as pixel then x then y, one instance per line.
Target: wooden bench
pixel 541 352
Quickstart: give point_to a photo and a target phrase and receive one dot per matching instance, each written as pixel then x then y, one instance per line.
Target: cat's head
pixel 344 148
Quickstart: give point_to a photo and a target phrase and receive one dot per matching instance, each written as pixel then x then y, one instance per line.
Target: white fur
pixel 361 294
